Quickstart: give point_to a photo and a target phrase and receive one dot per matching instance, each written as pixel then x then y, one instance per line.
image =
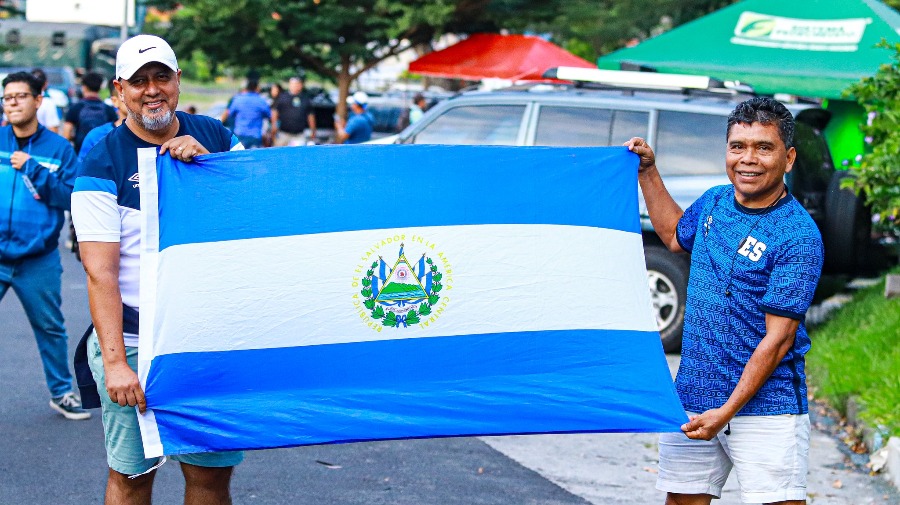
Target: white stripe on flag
pixel 306 289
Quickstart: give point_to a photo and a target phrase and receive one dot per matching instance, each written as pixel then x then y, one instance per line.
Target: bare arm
pixel 664 212
pixel 311 118
pixel 68 132
pixel 101 263
pixel 780 334
pixel 274 122
pixel 340 130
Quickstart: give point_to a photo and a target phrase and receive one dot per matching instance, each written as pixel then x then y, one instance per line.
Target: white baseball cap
pixel 139 50
pixel 358 98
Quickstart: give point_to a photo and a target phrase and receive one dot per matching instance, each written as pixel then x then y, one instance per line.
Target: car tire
pixel 848 227
pixel 667 277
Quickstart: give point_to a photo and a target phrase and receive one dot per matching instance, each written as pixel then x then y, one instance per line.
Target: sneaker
pixel 70 406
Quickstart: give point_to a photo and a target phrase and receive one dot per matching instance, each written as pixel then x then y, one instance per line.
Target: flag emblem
pixel 401 293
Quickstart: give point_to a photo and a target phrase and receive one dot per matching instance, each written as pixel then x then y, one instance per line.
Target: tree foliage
pixel 590 28
pixel 336 39
pixel 878 174
pixel 339 40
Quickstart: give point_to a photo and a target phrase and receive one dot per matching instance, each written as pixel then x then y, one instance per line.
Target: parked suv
pixel 687 132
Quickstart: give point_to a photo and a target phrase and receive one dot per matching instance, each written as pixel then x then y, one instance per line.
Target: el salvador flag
pixel 328 294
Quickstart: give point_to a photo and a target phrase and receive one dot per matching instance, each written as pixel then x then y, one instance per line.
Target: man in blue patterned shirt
pixel 756 257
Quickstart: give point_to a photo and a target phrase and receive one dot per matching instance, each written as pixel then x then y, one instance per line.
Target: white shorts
pixel 769 453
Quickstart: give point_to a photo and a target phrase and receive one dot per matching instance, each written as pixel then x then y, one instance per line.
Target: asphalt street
pixel 47 460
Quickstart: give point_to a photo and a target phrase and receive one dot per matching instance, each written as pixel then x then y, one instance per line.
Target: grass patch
pixel 857 353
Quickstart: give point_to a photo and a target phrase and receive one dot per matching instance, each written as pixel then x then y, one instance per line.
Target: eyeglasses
pixel 15 97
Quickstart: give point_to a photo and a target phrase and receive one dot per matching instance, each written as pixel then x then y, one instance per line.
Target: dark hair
pixel 418 98
pixel 252 85
pixel 111 86
pixel 92 81
pixel 40 76
pixel 25 77
pixel 766 111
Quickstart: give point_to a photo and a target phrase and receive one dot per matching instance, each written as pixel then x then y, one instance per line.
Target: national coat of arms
pixel 403 293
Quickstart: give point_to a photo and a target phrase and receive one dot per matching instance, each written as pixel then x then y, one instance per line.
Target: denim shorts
pixel 124 449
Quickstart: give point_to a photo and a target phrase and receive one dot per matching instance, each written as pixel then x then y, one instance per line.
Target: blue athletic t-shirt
pixel 745 263
pixel 106 201
pixel 359 128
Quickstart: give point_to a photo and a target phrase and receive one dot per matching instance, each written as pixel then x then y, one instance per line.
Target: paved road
pixel 46 460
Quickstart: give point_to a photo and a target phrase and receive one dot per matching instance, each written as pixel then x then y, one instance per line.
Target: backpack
pixel 92 114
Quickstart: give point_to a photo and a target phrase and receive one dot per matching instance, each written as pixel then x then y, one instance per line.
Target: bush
pixel 878 172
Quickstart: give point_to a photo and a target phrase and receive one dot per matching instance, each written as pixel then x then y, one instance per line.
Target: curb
pixel 874 440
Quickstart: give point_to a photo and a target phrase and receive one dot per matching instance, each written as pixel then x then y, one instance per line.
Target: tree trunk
pixel 344 81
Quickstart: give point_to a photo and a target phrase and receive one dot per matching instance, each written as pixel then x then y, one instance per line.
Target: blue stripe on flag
pixel 298 191
pixel 528 382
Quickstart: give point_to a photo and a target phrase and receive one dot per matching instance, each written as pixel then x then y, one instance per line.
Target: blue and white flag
pixel 346 293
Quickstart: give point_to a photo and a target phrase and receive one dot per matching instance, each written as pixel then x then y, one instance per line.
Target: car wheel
pixel 667 276
pixel 848 227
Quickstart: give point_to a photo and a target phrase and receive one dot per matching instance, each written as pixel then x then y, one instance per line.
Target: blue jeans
pixel 37 282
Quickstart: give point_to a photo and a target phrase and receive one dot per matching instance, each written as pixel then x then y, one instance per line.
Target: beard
pixel 152 123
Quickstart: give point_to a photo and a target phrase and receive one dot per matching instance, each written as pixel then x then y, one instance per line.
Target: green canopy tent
pixel 810 48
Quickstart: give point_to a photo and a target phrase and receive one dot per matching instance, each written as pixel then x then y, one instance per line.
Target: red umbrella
pixel 493 56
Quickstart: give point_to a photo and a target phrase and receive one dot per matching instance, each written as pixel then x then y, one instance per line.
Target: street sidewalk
pixel 607 469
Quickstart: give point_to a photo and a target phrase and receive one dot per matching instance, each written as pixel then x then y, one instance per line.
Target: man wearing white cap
pixel 106 213
pixel 358 128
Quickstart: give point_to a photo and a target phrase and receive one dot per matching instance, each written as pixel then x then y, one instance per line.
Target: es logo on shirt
pixel 752 248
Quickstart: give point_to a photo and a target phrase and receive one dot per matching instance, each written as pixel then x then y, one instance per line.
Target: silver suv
pixel 687 132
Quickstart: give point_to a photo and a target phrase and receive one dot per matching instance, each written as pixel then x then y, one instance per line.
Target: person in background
pixel 358 128
pixel 418 108
pixel 89 113
pixel 249 110
pixel 37 172
pixel 94 136
pixel 292 114
pixel 274 91
pixel 47 114
pixel 191 109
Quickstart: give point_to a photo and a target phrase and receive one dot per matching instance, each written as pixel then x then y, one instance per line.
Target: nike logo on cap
pixel 145 50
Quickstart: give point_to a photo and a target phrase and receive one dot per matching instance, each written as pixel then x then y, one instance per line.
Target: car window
pixel 813 167
pixel 628 124
pixel 573 126
pixel 689 143
pixel 474 125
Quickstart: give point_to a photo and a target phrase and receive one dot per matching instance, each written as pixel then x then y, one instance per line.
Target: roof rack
pixel 646 80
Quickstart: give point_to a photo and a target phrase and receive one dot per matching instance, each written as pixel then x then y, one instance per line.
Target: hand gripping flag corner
pixel 335 294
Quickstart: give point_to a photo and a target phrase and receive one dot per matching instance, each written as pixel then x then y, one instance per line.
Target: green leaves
pixel 378 313
pixel 878 173
pixel 412 317
pixel 424 309
pixel 390 320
